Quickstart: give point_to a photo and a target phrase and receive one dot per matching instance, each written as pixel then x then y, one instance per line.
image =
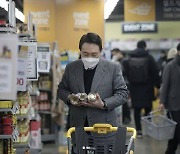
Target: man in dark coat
pixel 170 97
pixel 141 86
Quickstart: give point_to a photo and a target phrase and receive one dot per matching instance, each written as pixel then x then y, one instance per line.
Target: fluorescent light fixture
pixel 109 7
pixel 4 4
pixel 19 15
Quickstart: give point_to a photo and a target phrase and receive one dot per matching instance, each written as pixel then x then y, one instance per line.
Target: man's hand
pixel 98 103
pixel 161 106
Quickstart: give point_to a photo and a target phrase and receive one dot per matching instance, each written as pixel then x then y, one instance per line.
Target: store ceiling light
pixel 4 4
pixel 19 15
pixel 109 7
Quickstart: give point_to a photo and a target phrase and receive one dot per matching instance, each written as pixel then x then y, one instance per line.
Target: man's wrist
pixel 105 105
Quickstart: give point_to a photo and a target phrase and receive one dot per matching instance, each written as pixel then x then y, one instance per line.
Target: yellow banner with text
pixel 139 10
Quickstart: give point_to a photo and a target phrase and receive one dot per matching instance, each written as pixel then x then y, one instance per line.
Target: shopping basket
pixel 158 126
pixel 101 143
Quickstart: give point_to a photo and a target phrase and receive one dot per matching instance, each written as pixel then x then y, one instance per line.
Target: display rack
pixel 49 128
pixel 12 110
pixel 8 29
pixel 43 93
pixel 23 116
pixel 12 136
pixel 23 145
pixel 8 104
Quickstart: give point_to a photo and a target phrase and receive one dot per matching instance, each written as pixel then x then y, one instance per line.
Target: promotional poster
pixel 8 66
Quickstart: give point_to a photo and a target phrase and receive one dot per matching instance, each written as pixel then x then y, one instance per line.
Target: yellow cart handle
pixel 101 129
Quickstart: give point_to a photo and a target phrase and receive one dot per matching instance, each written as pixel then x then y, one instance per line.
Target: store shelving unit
pixel 24 116
pixel 8 29
pixel 43 97
pixel 12 110
pixel 13 136
pixel 10 138
pixel 49 132
pixel 20 117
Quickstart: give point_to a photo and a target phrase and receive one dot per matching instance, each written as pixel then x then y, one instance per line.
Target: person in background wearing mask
pixel 91 74
pixel 170 97
pixel 171 54
pixel 118 57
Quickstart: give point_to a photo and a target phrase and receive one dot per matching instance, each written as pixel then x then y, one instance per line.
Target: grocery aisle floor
pixel 145 145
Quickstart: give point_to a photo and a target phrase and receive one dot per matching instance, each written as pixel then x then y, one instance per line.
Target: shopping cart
pixel 101 139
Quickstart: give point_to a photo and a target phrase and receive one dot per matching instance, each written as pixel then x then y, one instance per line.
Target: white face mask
pixel 90 62
pixel 114 58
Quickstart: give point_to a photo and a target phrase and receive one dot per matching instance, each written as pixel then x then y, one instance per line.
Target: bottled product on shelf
pixel 8 126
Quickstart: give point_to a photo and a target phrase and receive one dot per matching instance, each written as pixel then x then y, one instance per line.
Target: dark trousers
pixel 126 115
pixel 173 143
pixel 137 116
pixel 72 151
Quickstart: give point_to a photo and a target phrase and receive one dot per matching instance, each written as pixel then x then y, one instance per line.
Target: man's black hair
pixel 91 38
pixel 141 44
pixel 163 52
pixel 178 47
pixel 116 50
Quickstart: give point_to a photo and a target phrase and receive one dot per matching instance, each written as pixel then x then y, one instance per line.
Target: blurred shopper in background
pixel 118 56
pixel 164 59
pixel 171 54
pixel 141 70
pixel 161 62
pixel 170 97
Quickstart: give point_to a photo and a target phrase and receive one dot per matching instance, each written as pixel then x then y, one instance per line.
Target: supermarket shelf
pixel 13 136
pixel 7 29
pixel 5 136
pixel 23 145
pixel 24 116
pixel 34 94
pixel 24 35
pixel 45 112
pixel 48 137
pixel 13 110
pixel 46 90
pixel 45 73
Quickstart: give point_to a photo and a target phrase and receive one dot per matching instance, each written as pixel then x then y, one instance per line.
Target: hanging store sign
pixel 81 20
pixel 8 66
pixel 32 61
pixel 22 67
pixel 139 10
pixel 139 28
pixel 43 16
pixel 43 58
pixel 168 10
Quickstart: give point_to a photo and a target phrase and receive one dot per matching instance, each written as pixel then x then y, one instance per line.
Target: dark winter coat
pixel 142 94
